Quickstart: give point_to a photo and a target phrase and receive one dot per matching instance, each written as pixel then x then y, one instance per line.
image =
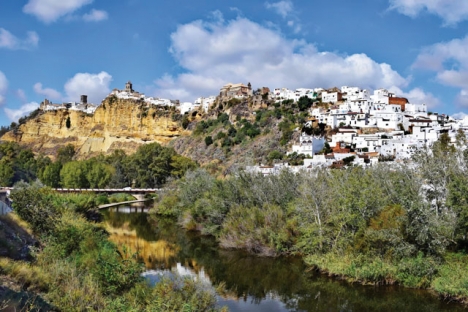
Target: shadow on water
pixel 253 283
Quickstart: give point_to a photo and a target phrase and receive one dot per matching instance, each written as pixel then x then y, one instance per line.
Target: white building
pixel 308 145
pixel 331 97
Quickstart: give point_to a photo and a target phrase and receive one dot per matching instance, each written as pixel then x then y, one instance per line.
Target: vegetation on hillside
pixel 403 224
pixel 240 134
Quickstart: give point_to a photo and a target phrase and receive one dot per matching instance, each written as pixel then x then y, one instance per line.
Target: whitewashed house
pixel 331 97
pixel 308 145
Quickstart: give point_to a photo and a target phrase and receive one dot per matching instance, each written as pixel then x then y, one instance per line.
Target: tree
pixel 33 204
pixel 274 155
pixel 66 153
pixel 68 123
pixel 51 174
pixel 6 172
pixel 180 165
pixel 208 140
pixel 150 166
pixel 73 175
pixel 99 174
pixel 304 103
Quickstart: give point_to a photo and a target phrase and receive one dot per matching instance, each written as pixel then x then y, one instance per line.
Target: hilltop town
pixel 359 127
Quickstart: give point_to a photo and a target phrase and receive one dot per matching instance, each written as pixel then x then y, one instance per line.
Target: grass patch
pixel 452 280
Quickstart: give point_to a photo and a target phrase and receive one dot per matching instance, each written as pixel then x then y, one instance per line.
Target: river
pixel 253 283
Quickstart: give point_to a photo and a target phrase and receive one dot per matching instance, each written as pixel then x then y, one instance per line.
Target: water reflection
pixel 253 283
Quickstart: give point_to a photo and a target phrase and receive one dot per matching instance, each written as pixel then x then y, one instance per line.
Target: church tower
pixel 129 87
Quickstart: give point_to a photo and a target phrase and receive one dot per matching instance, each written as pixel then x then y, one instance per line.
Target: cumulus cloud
pixel 49 11
pixel 243 51
pixel 418 96
pixel 449 60
pixel 15 114
pixel 96 86
pixel 451 11
pixel 283 8
pixel 10 41
pixel 49 93
pixel 459 115
pixel 3 87
pixel 286 10
pixel 95 16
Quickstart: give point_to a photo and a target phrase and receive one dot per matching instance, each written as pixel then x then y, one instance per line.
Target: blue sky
pixel 179 49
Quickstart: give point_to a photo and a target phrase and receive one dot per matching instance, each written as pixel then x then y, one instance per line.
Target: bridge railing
pixel 124 190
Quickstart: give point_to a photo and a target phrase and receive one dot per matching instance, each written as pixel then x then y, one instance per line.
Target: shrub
pixel 208 140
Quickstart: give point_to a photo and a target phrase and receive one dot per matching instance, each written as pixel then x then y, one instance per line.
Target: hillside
pixel 242 132
pixel 116 124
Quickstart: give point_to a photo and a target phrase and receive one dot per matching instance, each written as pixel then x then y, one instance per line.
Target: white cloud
pixel 49 93
pixel 459 115
pixel 243 51
pixel 450 62
pixel 418 96
pixel 10 41
pixel 96 86
pixel 15 114
pixel 283 8
pixel 462 98
pixel 286 10
pixel 49 11
pixel 95 16
pixel 451 11
pixel 3 87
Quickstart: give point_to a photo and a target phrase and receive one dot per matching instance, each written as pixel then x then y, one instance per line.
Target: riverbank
pixel 76 267
pixel 369 226
pixel 253 283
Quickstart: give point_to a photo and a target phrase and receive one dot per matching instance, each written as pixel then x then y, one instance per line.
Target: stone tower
pixel 129 87
pixel 84 99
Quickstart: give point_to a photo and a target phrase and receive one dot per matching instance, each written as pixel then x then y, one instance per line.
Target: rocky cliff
pixel 116 124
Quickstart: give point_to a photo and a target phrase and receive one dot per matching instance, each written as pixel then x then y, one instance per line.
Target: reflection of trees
pixel 155 254
pixel 254 278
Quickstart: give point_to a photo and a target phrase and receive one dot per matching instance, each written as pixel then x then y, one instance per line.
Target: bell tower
pixel 129 87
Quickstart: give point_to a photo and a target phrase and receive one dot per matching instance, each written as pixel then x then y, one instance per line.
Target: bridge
pixel 138 193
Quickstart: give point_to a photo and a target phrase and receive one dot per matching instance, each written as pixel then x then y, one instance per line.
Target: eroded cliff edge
pixel 116 124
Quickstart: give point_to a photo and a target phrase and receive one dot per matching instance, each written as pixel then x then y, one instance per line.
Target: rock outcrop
pixel 116 124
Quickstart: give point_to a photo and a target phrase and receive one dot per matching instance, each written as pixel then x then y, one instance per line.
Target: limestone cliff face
pixel 116 124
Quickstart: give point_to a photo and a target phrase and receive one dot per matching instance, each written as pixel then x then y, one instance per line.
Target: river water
pixel 253 283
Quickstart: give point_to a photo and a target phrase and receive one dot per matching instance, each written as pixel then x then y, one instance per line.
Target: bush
pixel 208 140
pixel 275 155
pixel 34 205
pixel 116 272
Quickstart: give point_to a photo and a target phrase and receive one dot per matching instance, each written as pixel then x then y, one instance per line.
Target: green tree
pixel 208 140
pixel 51 175
pixel 180 165
pixel 99 174
pixel 73 174
pixel 6 172
pixel 150 166
pixel 34 205
pixel 273 155
pixel 304 103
